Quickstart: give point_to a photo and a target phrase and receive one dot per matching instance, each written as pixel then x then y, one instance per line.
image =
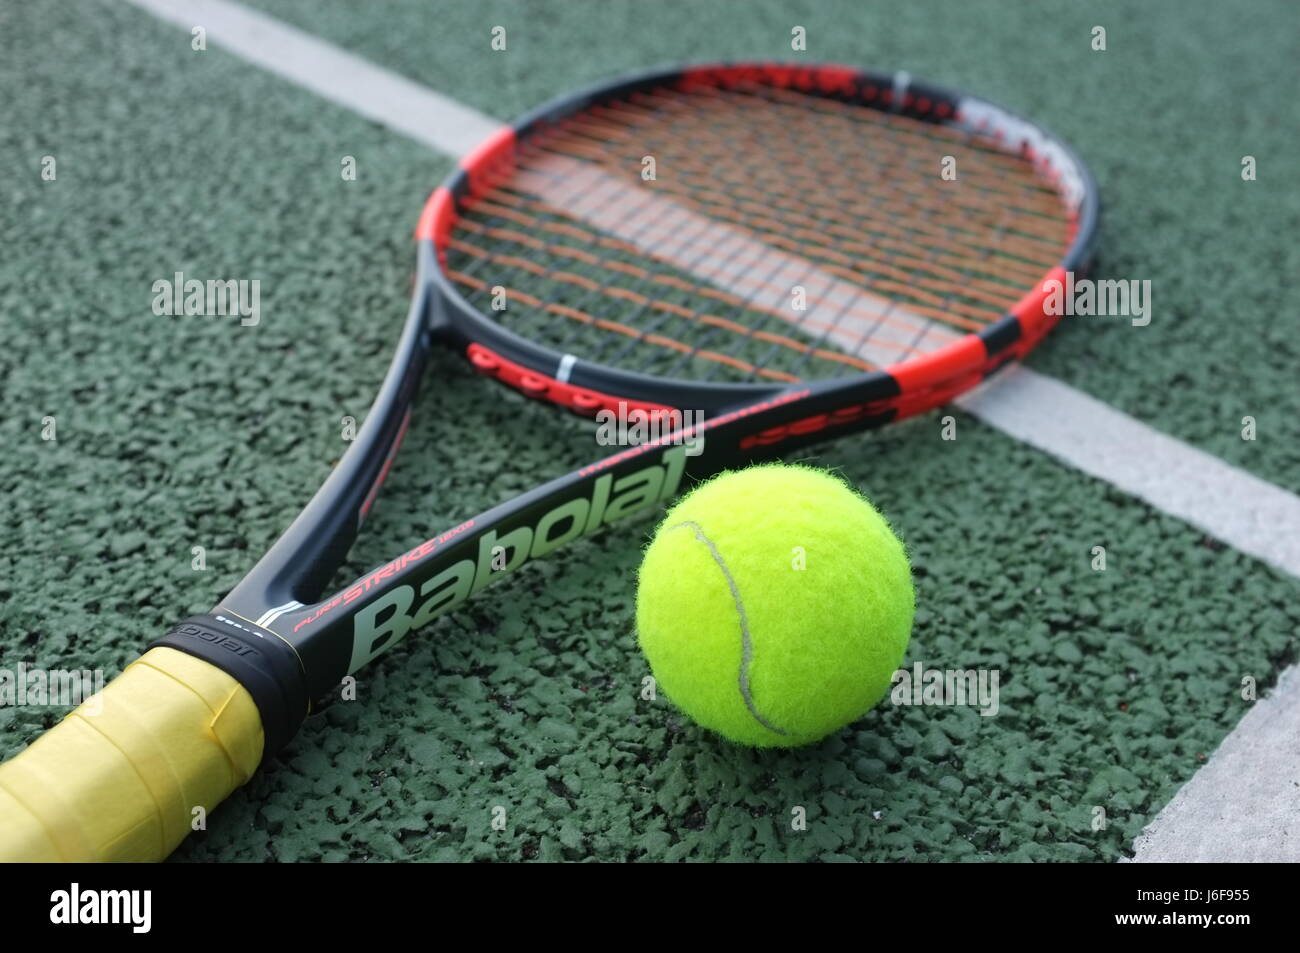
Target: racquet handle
pixel 120 778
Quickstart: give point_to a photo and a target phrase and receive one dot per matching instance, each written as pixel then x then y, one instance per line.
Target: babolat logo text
pixel 379 626
pixel 94 907
pixel 218 639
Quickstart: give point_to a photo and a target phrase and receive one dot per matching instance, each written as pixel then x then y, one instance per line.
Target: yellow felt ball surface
pixel 774 605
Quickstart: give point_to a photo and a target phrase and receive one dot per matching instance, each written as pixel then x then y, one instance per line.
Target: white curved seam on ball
pixel 746 643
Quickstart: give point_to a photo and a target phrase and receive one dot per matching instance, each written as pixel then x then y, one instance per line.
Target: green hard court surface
pixel 183 432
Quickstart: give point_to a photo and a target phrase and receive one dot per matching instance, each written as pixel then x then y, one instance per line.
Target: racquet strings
pixel 754 234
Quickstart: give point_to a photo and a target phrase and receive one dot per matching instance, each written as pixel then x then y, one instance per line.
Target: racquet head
pixel 706 237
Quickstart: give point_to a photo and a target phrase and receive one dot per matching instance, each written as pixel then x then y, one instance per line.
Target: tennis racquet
pixel 747 257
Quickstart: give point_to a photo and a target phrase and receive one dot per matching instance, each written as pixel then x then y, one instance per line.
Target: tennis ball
pixel 774 605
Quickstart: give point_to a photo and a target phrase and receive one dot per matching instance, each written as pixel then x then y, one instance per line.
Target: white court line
pixel 331 73
pixel 1242 805
pixel 1250 514
pixel 1243 511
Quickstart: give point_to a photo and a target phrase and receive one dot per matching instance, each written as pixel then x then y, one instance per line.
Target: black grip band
pixel 267 667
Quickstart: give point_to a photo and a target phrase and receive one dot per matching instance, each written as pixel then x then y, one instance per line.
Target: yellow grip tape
pixel 119 779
